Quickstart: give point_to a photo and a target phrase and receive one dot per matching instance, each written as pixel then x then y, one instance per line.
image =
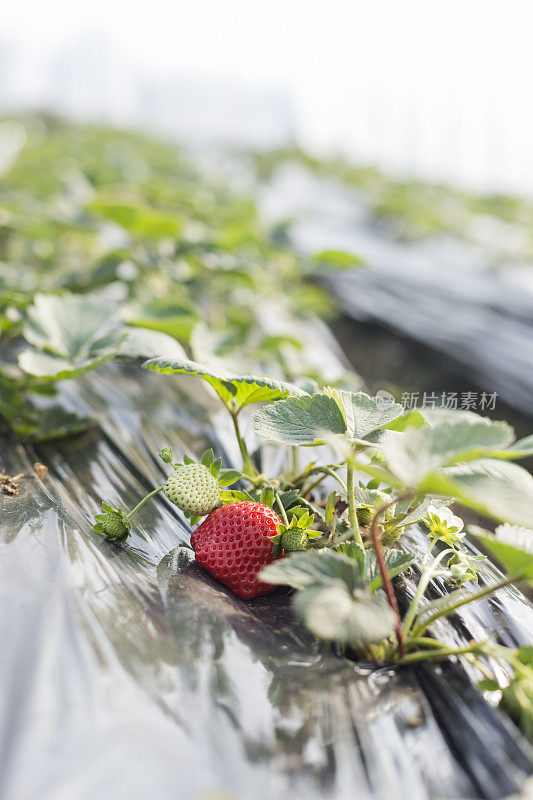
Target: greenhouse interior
pixel 266 400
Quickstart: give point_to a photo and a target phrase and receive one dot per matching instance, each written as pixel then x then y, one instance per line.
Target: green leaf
pixel 513 547
pixel 138 219
pixel 299 420
pixel 411 419
pixel 397 562
pixel 419 511
pixel 336 259
pixel 236 391
pixel 368 566
pixel 313 567
pixel 332 613
pixel 437 415
pixel 55 423
pixel 363 414
pixel 417 452
pixel 146 343
pixel 49 367
pixel 523 448
pixel 495 488
pixel 176 318
pixel 76 332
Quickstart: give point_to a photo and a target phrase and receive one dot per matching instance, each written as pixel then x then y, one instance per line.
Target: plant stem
pixel 247 465
pixel 442 612
pixel 385 577
pixel 352 515
pixel 426 655
pixel 326 471
pixel 143 501
pixel 425 641
pixel 425 578
pixel 294 460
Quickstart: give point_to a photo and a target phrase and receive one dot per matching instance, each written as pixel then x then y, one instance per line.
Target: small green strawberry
pixel 113 523
pixel 194 489
pixel 365 514
pixel 293 540
pixel 294 535
pixel 366 511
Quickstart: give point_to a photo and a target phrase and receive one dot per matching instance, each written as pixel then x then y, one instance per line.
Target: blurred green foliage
pixel 164 243
pixel 500 223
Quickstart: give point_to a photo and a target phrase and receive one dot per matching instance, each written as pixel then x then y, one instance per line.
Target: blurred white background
pixel 439 89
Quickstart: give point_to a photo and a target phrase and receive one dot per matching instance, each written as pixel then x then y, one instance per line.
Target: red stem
pixel 385 577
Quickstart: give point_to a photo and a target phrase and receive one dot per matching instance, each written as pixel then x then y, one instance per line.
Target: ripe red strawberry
pixel 233 545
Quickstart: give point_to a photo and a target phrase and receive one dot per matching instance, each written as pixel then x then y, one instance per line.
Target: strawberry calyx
pixel 295 534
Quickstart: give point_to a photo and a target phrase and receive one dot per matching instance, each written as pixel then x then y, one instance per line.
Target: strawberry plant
pixel 125 249
pixel 340 549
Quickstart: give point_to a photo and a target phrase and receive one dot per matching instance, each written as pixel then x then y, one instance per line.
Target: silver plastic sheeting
pixel 441 292
pixel 127 672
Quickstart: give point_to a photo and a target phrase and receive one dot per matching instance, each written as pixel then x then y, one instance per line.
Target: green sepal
pixel 235 496
pixel 277 549
pixel 166 455
pixel 228 476
pixel 267 496
pixel 214 467
pixel 188 460
pixel 207 457
pixel 331 504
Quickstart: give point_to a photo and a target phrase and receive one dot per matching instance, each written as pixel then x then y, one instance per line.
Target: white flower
pixel 443 523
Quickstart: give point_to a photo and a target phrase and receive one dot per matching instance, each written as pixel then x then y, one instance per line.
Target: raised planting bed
pixel 132 671
pixel 225 570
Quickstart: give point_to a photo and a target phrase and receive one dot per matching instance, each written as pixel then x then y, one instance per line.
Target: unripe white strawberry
pixel 194 489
